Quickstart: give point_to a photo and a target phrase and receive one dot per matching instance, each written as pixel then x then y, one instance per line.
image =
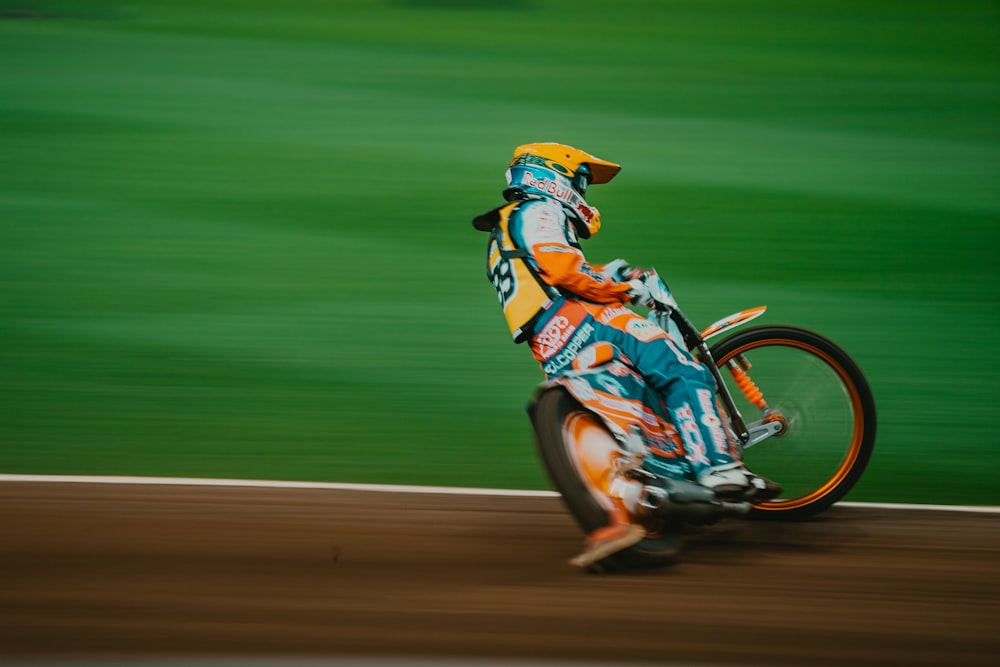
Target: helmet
pixel 559 172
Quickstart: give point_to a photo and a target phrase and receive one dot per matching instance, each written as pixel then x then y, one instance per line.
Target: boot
pixel 621 532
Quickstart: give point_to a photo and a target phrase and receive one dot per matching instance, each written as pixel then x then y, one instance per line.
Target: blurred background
pixel 235 237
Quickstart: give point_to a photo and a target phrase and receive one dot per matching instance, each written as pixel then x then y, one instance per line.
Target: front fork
pixel 773 422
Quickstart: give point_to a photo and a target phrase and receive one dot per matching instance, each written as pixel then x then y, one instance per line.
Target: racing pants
pixel 687 387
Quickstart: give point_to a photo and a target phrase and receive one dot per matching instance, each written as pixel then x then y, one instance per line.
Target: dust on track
pixel 99 572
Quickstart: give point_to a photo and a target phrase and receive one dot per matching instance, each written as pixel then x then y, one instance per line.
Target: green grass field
pixel 235 237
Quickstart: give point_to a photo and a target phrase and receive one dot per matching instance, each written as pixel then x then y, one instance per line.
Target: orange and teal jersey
pixel 535 261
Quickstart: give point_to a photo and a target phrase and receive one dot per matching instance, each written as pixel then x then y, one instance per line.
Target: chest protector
pixel 522 292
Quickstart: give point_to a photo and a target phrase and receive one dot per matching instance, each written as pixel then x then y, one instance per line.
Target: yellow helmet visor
pixel 567 160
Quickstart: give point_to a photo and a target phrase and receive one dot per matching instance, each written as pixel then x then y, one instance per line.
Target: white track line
pixel 273 484
pixel 983 509
pixel 393 488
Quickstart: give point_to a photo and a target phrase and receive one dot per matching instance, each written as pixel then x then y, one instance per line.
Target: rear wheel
pixel 825 408
pixel 579 454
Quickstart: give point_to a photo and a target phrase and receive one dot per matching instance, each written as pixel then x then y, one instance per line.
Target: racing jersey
pixel 534 261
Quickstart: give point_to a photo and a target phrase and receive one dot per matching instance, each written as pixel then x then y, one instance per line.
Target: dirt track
pixel 93 571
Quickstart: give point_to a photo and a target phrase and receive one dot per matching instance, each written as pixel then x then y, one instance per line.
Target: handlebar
pixel 668 314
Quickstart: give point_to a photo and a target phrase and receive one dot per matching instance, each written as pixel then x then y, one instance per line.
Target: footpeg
pixel 762 489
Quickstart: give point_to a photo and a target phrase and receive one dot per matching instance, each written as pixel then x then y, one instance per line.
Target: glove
pixel 638 293
pixel 620 271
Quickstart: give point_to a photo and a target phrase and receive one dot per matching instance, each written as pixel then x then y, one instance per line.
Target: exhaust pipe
pixel 687 501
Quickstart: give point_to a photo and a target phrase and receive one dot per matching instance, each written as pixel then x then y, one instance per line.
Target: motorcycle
pixel 795 405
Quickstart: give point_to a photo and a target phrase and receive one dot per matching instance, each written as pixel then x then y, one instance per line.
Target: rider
pixel 558 303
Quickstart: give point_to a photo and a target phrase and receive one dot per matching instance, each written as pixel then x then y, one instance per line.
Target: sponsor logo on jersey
pixel 712 422
pixel 643 329
pixel 571 349
pixel 611 313
pixel 542 222
pixel 556 248
pixel 554 336
pixel 688 427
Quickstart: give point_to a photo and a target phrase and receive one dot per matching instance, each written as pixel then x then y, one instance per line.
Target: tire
pixel 561 425
pixel 828 409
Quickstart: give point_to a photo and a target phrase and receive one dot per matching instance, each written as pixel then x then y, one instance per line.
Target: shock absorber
pixel 746 383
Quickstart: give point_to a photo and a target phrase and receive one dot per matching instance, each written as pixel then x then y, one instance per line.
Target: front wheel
pixel 824 406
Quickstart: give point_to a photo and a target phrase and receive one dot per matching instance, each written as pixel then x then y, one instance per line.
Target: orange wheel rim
pixel 857 436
